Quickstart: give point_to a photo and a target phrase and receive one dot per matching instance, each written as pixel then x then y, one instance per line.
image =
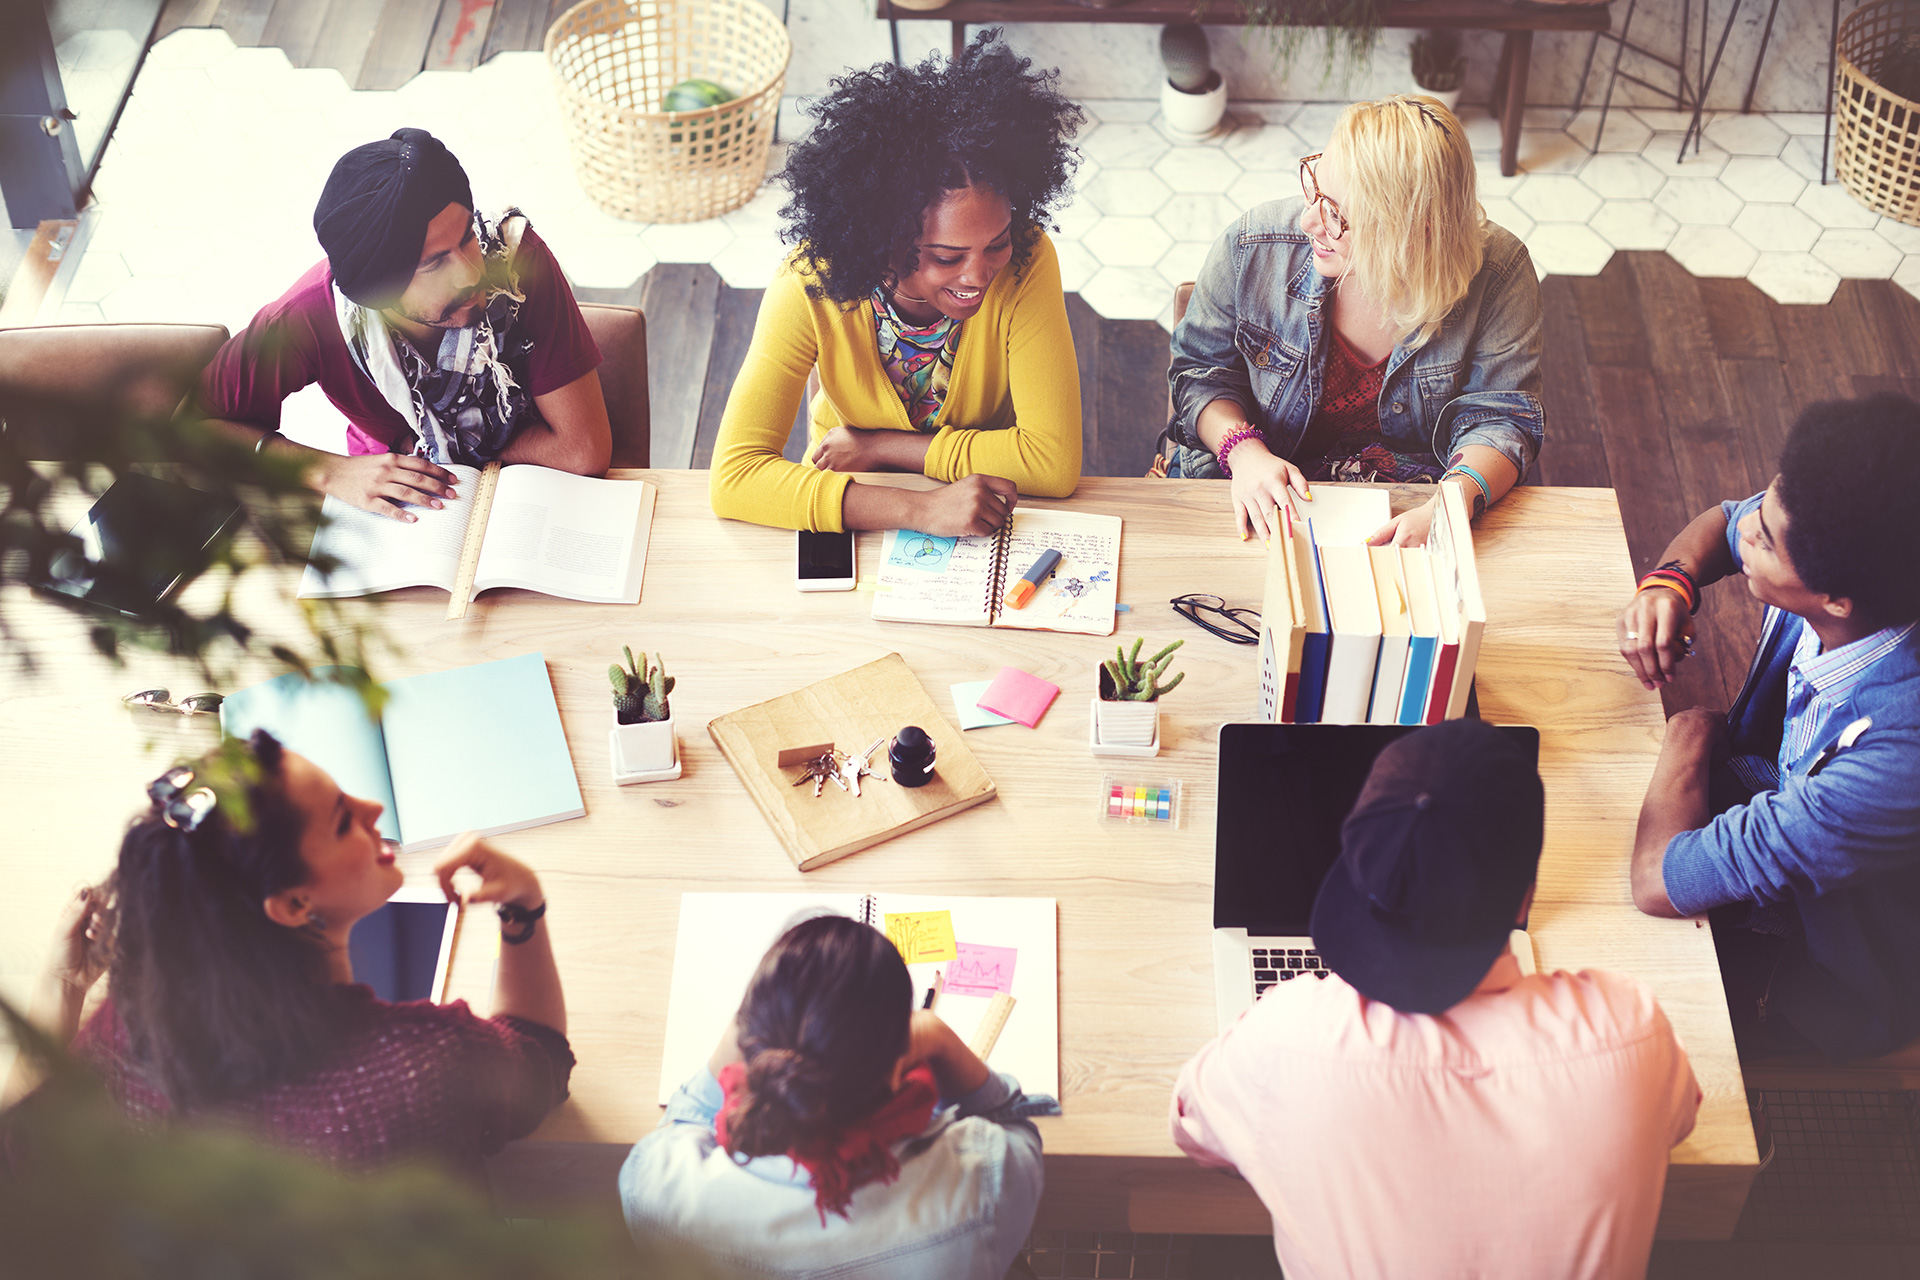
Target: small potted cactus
pixel 643 718
pixel 1126 713
pixel 1193 97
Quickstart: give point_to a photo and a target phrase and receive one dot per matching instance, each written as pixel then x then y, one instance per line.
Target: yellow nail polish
pixel 1243 537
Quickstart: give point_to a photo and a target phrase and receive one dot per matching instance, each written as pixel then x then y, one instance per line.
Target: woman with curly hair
pixel 837 1130
pixel 1378 328
pixel 230 993
pixel 926 294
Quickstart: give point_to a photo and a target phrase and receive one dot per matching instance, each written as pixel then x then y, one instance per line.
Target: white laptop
pixel 1285 790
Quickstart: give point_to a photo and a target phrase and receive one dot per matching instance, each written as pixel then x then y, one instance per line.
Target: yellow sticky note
pixel 922 936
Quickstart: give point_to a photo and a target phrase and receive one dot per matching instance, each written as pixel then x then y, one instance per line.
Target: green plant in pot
pixel 643 718
pixel 1127 711
pixel 1439 70
pixel 1352 28
pixel 1193 97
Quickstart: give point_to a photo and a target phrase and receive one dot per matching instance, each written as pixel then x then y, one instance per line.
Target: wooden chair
pixel 1898 1070
pixel 126 370
pixel 621 333
pixel 1182 295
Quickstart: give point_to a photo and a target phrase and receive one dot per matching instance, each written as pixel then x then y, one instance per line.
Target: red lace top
pixel 1349 401
pixel 408 1081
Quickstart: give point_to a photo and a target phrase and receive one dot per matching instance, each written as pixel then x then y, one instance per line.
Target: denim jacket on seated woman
pixel 1256 332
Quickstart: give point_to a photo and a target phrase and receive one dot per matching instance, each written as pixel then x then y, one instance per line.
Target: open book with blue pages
pixel 475 748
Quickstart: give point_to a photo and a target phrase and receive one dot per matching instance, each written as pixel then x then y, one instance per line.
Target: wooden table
pixel 1136 992
pixel 1509 86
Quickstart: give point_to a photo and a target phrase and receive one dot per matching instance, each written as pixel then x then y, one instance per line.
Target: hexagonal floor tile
pixel 1266 147
pixel 1908 276
pixel 1700 201
pixel 1509 215
pixel 1127 242
pixel 1834 206
pixel 1633 224
pixel 1898 234
pixel 1077 266
pixel 1762 179
pixel 1182 262
pixel 1121 110
pixel 1127 293
pixel 1557 198
pixel 1661 120
pixel 616 261
pixel 79 313
pixel 1776 228
pixel 1567 249
pixel 1746 135
pixel 1126 192
pixel 1625 131
pixel 750 262
pixel 1802 155
pixel 191 47
pixel 1857 255
pixel 97 275
pixel 250 68
pixel 1191 169
pixel 1550 151
pixel 759 216
pixel 1075 219
pixel 1794 277
pixel 1125 146
pixel 1664 154
pixel 1622 177
pixel 1250 189
pixel 1712 251
pixel 687 241
pixel 1197 217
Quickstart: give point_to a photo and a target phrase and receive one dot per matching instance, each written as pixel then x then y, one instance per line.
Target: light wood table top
pixel 1136 991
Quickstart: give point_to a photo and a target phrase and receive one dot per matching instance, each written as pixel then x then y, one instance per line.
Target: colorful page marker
pixel 981 971
pixel 922 936
pixel 966 705
pixel 1021 696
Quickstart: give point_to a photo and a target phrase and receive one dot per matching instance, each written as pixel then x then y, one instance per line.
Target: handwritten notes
pixel 922 936
pixel 924 551
pixel 1081 592
pixel 981 971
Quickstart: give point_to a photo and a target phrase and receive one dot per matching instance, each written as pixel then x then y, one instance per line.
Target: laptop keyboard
pixel 1275 965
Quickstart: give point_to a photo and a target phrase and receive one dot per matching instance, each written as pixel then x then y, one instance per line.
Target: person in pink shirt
pixel 1430 1110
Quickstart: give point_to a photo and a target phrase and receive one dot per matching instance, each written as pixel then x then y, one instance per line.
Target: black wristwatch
pixel 519 919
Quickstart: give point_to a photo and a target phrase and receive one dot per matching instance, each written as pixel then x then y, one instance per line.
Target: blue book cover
pixel 1317 646
pixel 476 748
pixel 1413 700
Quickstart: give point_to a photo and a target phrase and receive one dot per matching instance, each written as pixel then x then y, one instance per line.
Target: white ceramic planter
pixel 1123 724
pixel 1450 99
pixel 1193 115
pixel 646 748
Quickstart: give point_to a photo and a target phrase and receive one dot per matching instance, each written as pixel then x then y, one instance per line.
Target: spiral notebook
pixel 961 581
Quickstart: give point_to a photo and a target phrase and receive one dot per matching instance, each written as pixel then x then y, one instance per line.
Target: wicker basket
pixel 613 62
pixel 1877 133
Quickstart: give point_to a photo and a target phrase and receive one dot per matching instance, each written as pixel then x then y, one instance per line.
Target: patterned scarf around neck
pixel 918 359
pixel 466 404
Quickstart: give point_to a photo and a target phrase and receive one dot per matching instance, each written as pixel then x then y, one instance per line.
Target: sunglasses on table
pixel 1210 613
pixel 200 704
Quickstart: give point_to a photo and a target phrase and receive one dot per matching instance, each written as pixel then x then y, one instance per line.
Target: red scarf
pixel 860 1153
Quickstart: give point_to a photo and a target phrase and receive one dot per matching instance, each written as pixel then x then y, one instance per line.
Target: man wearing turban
pixel 442 337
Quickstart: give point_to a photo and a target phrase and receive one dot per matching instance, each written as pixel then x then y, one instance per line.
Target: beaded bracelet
pixel 1233 439
pixel 1462 469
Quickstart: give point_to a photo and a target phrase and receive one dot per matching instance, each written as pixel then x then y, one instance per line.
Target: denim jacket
pixel 961 1208
pixel 1836 848
pixel 1256 332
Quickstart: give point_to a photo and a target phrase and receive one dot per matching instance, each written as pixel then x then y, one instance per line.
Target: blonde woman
pixel 1376 328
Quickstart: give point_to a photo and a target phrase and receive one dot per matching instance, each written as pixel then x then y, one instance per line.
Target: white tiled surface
pixel 207 190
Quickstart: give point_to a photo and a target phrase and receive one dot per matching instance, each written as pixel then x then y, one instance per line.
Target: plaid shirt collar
pixel 1833 673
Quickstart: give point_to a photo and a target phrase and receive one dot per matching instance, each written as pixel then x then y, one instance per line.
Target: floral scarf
pixel 918 359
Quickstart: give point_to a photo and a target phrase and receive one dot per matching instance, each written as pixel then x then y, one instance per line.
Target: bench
pixel 1519 22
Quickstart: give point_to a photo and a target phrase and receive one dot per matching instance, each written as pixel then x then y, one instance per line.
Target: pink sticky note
pixel 980 971
pixel 1019 696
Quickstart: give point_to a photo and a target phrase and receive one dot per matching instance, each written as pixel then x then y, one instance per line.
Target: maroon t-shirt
pixel 296 340
pixel 406 1081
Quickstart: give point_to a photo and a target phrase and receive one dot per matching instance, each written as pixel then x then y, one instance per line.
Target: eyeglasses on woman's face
pixel 1336 222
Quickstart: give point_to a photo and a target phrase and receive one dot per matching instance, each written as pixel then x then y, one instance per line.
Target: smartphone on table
pixel 824 561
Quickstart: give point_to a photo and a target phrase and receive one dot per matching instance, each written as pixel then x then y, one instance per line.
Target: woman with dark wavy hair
pixel 839 1130
pixel 223 932
pixel 925 292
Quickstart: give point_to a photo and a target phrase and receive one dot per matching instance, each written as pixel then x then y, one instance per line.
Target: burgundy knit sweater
pixel 407 1081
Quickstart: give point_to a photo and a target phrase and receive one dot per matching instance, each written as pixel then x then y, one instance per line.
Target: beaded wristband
pixel 1232 440
pixel 1462 469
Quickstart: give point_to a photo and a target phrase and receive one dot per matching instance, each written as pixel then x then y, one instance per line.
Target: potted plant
pixel 643 735
pixel 1438 67
pixel 1193 97
pixel 1126 714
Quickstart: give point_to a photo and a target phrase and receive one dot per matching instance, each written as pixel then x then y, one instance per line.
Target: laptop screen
pixel 1285 789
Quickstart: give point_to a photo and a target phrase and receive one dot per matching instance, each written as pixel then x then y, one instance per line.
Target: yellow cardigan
pixel 1017 351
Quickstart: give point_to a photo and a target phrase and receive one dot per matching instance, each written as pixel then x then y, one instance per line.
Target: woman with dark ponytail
pixel 837 1129
pixel 223 932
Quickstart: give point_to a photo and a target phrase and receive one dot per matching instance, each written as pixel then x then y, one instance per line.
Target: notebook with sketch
pixel 961 581
pixel 979 946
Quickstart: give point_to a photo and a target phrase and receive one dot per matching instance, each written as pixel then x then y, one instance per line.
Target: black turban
pixel 373 213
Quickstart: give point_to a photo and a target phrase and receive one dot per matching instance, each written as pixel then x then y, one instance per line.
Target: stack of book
pixel 1353 634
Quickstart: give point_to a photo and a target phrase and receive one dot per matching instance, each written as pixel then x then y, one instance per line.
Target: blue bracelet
pixel 1461 468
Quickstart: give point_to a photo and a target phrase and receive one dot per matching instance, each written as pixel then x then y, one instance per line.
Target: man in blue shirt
pixel 1794 821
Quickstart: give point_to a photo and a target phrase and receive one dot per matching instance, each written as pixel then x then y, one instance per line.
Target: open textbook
pixel 961 581
pixel 476 748
pixel 979 946
pixel 550 531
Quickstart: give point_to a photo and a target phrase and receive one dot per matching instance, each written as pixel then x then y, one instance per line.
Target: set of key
pixel 843 767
